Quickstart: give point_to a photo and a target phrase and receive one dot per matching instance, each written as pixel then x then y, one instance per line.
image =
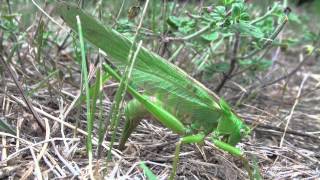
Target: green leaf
pixel 211 37
pixel 256 169
pixel 239 11
pixel 244 16
pixel 173 22
pixel 183 24
pixel 293 17
pixel 227 2
pixel 236 10
pixel 219 13
pixel 124 25
pixel 246 28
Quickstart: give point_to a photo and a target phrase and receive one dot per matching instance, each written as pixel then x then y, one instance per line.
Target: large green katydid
pixel 173 97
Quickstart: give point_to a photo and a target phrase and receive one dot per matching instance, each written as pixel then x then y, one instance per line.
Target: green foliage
pixel 85 86
pixel 225 20
pixel 8 22
pixel 256 65
pixel 211 36
pixel 125 26
pixel 247 29
pixel 182 24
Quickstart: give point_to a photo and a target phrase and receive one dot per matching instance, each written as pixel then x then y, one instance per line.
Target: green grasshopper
pixel 174 98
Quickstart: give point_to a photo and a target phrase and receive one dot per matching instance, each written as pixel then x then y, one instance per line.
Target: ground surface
pixel 273 107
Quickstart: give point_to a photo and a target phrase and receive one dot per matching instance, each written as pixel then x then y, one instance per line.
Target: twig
pixel 45 146
pixel 197 33
pixel 26 100
pixel 269 40
pixel 35 167
pixel 43 150
pixel 95 140
pixel 289 74
pixel 64 161
pixel 289 117
pixel 267 14
pixel 48 16
pixel 119 13
pixel 257 87
pixel 232 63
pixel 269 128
pixel 191 36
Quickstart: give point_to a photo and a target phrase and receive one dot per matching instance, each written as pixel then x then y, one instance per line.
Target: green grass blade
pixel 256 170
pixel 42 83
pixel 158 112
pixel 102 123
pixel 147 171
pixel 40 41
pixel 95 93
pixel 85 80
pixel 119 98
pixel 5 127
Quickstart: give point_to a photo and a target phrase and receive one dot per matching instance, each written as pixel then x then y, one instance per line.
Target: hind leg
pixel 134 113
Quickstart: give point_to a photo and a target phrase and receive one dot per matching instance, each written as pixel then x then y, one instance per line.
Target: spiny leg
pixel 134 112
pixel 235 152
pixel 185 140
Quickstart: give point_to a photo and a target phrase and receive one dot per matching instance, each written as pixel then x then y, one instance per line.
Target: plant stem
pixel 267 14
pixel 119 98
pixel 232 63
pixel 269 40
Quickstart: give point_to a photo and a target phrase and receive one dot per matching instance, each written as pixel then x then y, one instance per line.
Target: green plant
pixel 227 39
pixel 85 86
pixel 191 110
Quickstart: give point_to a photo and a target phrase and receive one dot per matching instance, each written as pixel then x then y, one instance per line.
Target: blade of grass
pixel 147 171
pixel 256 169
pixel 5 127
pixel 119 98
pixel 42 83
pixel 97 85
pixel 102 125
pixel 85 80
pixel 40 41
pixel 95 92
pixel 26 100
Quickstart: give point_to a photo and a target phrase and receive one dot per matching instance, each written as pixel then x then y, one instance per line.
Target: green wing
pixel 151 72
